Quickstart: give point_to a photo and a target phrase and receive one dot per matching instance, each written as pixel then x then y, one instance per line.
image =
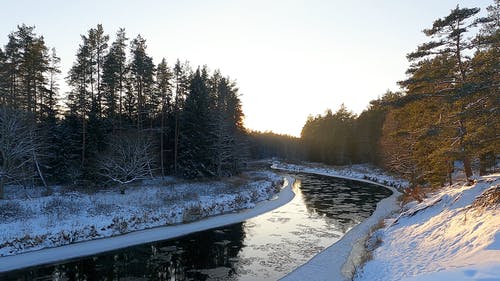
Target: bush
pixel 192 213
pixel 11 211
pixel 415 193
pixel 119 225
pixel 60 207
pixel 101 209
pixel 490 198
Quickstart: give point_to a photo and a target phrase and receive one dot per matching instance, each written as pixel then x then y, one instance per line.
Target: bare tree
pixel 128 158
pixel 19 146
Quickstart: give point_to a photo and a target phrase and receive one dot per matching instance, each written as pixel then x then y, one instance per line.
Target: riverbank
pixel 360 172
pixel 339 261
pixel 139 208
pixel 51 255
pixel 453 234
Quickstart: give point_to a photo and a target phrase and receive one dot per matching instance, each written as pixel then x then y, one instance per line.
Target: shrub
pixel 192 213
pixel 11 211
pixel 60 207
pixel 101 209
pixel 490 198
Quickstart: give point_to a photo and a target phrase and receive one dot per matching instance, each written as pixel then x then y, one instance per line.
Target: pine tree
pixel 49 100
pixel 4 78
pixel 11 71
pixel 483 107
pixel 114 75
pixel 142 72
pixel 446 53
pixel 25 64
pixel 164 78
pixel 489 35
pixel 97 44
pixel 182 76
pixel 328 137
pixel 80 98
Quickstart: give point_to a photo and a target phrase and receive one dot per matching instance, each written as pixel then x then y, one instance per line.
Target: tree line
pixel 447 112
pixel 123 118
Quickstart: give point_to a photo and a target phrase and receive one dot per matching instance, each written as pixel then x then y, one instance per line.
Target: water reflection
pixel 176 259
pixel 346 201
pixel 265 247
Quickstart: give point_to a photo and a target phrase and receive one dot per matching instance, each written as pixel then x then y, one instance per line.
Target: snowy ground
pixel 339 261
pixel 91 247
pixel 361 172
pixel 30 221
pixel 453 234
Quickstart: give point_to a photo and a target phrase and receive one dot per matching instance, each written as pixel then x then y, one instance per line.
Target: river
pixel 266 247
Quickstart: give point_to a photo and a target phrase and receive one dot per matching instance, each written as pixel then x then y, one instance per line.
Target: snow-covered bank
pixel 361 172
pixel 339 261
pixel 86 248
pixel 452 235
pixel 36 222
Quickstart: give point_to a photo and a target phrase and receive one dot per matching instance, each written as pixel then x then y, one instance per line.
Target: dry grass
pixel 490 198
pixel 416 193
pixel 237 181
pixel 372 242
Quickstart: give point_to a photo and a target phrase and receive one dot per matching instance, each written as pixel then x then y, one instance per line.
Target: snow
pixel 360 172
pixel 339 261
pixel 120 219
pixel 483 272
pixel 452 235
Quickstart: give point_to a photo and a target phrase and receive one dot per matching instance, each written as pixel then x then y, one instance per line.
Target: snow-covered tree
pixel 129 157
pixel 19 148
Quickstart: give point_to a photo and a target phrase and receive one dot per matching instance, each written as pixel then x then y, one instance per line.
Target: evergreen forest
pixel 447 114
pixel 126 118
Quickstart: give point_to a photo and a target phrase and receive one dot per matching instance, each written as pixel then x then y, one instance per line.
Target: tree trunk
pixel 83 140
pixel 486 161
pixel 467 166
pixel 120 99
pixel 2 193
pixel 161 142
pixel 98 83
pixel 450 172
pixel 39 171
pixel 176 141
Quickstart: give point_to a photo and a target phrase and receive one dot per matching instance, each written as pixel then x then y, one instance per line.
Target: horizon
pixel 301 58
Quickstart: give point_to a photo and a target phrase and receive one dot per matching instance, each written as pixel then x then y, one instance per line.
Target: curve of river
pixel 266 247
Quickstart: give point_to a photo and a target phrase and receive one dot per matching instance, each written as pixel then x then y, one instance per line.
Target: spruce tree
pixel 195 136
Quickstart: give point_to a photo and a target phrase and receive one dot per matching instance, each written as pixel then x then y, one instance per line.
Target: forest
pixel 124 118
pixel 448 110
pixel 446 115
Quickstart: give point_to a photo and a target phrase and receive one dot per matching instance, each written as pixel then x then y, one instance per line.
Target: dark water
pixel 266 247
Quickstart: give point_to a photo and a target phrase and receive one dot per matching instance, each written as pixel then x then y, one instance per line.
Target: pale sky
pixel 290 58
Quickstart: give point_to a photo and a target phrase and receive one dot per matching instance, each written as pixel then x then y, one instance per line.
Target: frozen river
pixel 266 247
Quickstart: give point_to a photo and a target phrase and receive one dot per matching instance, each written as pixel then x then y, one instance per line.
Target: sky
pixel 290 58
